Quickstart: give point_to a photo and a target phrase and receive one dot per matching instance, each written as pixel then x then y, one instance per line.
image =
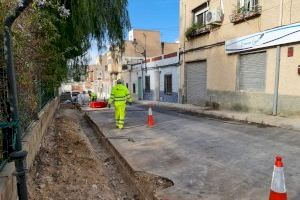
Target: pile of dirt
pixel 67 167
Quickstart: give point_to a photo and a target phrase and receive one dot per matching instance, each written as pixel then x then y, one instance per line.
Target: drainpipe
pixel 182 80
pixel 19 156
pixel 277 70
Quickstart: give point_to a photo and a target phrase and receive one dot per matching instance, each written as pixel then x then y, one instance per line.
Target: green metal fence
pixel 31 102
pixel 4 118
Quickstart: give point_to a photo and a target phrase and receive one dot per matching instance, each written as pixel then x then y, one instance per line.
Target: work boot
pixel 121 127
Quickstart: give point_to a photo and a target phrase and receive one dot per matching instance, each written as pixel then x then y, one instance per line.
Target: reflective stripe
pixel 120 97
pixel 278 182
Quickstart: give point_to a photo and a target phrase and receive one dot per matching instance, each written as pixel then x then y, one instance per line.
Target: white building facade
pixel 155 80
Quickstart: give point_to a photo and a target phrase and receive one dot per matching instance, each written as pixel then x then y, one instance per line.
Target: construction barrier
pixel 98 104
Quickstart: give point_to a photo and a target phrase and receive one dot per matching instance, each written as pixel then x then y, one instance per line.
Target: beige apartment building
pixel 239 54
pixel 117 65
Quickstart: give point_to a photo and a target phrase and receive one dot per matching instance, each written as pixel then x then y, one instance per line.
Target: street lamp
pixel 144 53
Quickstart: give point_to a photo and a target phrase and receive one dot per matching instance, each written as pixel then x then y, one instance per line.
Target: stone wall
pixel 31 143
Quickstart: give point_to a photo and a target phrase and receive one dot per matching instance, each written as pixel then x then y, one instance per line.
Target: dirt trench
pixel 69 166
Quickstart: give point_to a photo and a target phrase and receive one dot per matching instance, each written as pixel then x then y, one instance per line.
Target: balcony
pixel 197 30
pixel 242 14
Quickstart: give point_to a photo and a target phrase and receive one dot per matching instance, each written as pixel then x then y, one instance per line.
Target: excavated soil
pixel 69 167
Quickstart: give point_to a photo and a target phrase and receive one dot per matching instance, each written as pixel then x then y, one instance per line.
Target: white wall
pixel 156 70
pixel 66 87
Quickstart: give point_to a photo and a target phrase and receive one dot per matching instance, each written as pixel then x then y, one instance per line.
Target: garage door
pixel 196 82
pixel 252 72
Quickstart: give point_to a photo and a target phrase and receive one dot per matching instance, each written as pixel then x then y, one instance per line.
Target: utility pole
pixel 277 69
pixel 145 57
pixel 144 53
pixel 19 156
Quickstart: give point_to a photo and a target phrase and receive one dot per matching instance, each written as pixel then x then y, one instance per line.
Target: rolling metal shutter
pixel 252 72
pixel 196 82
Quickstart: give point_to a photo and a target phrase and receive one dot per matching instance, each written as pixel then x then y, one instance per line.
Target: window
pixel 133 88
pixel 147 83
pixel 200 14
pixel 248 5
pixel 168 84
pixel 124 67
pixel 246 9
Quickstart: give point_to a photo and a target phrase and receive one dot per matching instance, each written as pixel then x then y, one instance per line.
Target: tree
pixel 50 34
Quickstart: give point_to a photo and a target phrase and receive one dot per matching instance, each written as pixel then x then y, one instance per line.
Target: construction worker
pixel 93 96
pixel 120 96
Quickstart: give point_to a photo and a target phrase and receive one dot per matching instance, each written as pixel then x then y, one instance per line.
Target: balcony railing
pixel 196 30
pixel 244 13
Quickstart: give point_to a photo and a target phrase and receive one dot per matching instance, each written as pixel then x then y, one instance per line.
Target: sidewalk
pixel 292 123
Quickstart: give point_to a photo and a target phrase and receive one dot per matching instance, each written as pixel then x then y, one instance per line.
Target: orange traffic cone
pixel 150 118
pixel 278 189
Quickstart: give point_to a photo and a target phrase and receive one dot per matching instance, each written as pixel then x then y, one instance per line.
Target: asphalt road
pixel 206 158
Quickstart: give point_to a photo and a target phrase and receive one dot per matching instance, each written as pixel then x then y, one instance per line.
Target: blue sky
pixel 162 15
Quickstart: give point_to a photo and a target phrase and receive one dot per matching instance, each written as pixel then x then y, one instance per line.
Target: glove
pixel 108 105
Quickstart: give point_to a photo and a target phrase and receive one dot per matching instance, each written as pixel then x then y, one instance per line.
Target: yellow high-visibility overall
pixel 120 95
pixel 93 97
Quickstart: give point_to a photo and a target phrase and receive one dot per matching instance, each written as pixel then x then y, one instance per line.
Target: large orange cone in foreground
pixel 150 118
pixel 278 189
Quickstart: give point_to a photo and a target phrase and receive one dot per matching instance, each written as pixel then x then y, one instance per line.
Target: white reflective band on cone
pixel 150 111
pixel 278 182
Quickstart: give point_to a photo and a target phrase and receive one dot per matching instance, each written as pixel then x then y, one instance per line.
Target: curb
pixel 258 119
pixel 143 190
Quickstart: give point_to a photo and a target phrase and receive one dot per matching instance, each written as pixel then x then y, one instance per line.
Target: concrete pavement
pixel 205 158
pixel 291 123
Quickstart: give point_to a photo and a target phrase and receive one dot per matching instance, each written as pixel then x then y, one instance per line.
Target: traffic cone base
pixel 278 196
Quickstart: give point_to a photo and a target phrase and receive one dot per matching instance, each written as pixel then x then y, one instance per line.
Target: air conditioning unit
pixel 214 16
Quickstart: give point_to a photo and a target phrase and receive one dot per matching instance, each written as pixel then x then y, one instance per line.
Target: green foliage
pixel 49 47
pixel 190 32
